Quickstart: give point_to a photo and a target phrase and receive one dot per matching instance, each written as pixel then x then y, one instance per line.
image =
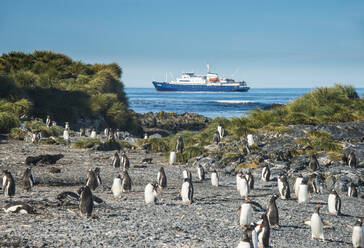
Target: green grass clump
pixel 86 143
pixel 157 144
pixel 18 134
pixel 8 121
pixel 320 141
pixel 39 125
pixel 52 141
pixel 188 153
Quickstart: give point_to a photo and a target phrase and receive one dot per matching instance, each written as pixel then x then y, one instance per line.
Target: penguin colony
pixel 255 233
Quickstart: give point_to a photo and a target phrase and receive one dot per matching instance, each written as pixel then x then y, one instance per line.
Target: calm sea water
pixel 211 104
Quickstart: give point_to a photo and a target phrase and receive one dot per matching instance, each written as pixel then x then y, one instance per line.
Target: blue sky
pixel 266 43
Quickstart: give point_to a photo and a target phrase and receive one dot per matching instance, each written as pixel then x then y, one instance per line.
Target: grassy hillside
pixel 46 83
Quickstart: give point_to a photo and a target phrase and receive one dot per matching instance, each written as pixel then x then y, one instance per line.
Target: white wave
pixel 235 101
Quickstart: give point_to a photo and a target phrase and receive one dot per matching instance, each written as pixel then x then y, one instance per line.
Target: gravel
pixel 211 221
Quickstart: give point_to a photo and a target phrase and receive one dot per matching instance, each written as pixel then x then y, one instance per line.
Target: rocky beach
pixel 211 221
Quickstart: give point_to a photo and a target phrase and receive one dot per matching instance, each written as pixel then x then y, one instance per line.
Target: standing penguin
pixel 243 186
pixel 126 184
pixel 48 121
pixel 93 133
pixel 116 160
pixel 252 234
pixel 272 211
pixel 245 213
pixel 297 184
pixel 172 158
pixel 200 173
pixel 82 132
pixel 106 132
pixel 214 178
pixel 334 203
pixel 264 232
pixel 187 191
pixel 352 160
pixel 125 161
pixel 283 186
pixel 221 131
pixel 312 185
pixel 67 125
pixel 162 178
pixel 303 192
pixel 317 226
pixel 313 164
pixel 352 190
pixel 180 146
pixel 266 173
pixel 28 179
pixel 94 178
pixel 86 201
pixel 150 193
pixel 216 138
pixel 66 135
pixel 358 235
pixel 250 178
pixel 8 184
pixel 116 188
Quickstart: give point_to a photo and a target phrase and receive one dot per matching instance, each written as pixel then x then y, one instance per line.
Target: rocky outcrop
pixel 169 123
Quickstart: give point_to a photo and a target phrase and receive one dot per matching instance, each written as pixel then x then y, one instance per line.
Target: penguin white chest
pixel 4 182
pixel 332 204
pixel 116 187
pixel 66 135
pixel 214 179
pixel 93 134
pixel 199 173
pixel 357 237
pixel 246 213
pixel 185 191
pixel 297 185
pixel 255 238
pixel 280 187
pixel 238 182
pixel 316 227
pixel 243 244
pixel 264 174
pixel 303 193
pixel 172 158
pixel 243 188
pixel 185 174
pixel 149 195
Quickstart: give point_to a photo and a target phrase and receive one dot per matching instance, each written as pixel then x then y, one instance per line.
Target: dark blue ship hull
pixel 162 86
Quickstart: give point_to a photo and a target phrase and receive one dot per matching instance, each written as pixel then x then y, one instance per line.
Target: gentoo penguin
pixel 93 133
pixel 214 178
pixel 264 232
pixel 172 158
pixel 18 207
pixel 162 178
pixel 28 179
pixel 145 136
pixel 82 132
pixel 272 211
pixel 313 164
pixel 317 225
pixel 297 184
pixel 94 178
pixel 8 184
pixel 245 213
pixel 66 135
pixel 266 173
pixel 150 193
pixel 86 201
pixel 250 178
pixel 334 203
pixel 116 188
pixel 187 191
pixel 352 190
pixel 68 196
pixel 252 234
pixel 200 173
pixel 303 192
pixel 179 146
pixel 312 186
pixel 283 186
pixel 243 186
pixel 187 174
pixel 358 235
pixel 106 132
pixel 221 131
pixel 111 135
pixel 48 121
pixel 54 123
pixel 116 160
pixel 126 184
pixel 67 125
pixel 245 241
pixel 216 138
pixel 352 160
pixel 125 161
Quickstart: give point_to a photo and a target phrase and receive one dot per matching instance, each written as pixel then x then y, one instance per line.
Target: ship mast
pixel 208 68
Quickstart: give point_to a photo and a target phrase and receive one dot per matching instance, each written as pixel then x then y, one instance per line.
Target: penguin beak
pixel 319 205
pixel 36 212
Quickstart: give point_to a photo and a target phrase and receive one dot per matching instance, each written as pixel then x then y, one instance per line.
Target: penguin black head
pixel 161 169
pixel 317 209
pixel 275 197
pixel 118 176
pixel 97 170
pixel 359 222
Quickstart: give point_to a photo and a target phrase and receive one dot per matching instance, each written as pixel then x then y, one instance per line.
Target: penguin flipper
pixel 257 207
pixel 97 199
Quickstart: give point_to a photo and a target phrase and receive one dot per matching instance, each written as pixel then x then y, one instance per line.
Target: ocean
pixel 212 104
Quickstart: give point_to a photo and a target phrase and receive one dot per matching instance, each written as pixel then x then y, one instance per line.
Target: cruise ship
pixel 211 82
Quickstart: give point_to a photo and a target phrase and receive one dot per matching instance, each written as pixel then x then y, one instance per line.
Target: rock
pixel 156 135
